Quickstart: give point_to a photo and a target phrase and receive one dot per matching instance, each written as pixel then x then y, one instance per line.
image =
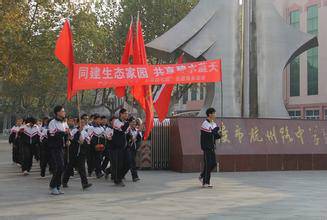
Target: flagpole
pixel 78 109
pixel 221 112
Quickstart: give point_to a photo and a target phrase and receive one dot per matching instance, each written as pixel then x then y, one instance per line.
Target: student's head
pixel 111 120
pixel 45 121
pixel 132 122
pixel 97 119
pixel 81 122
pixel 31 121
pixel 39 122
pixel 123 114
pixel 19 121
pixel 70 121
pixel 85 117
pixel 104 120
pixel 211 113
pixel 139 122
pixel 59 112
pixel 92 117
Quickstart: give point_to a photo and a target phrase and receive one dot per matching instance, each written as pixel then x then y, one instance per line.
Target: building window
pixel 194 92
pixel 312 54
pixel 325 114
pixel 312 114
pixel 202 87
pixel 185 97
pixel 295 114
pixel 295 64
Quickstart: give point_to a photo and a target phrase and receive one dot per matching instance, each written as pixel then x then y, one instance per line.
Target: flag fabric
pixel 139 57
pixel 65 53
pixel 162 98
pixel 128 52
pixel 143 94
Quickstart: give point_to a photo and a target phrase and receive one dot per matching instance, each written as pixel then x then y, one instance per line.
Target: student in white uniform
pixel 209 134
pixel 57 140
pixel 29 139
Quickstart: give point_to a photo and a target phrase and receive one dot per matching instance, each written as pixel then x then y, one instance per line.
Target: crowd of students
pixel 89 144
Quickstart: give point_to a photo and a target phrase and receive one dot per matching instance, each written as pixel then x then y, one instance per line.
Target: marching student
pixel 57 140
pixel 28 136
pixel 104 122
pixel 70 122
pixel 109 132
pixel 118 146
pixel 209 134
pixel 77 155
pixel 44 148
pixel 85 117
pixel 13 141
pixel 96 133
pixel 134 138
pixel 71 126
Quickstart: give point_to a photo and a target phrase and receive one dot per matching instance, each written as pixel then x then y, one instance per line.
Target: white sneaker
pixel 207 186
pixel 54 191
pixel 60 192
pixel 200 179
pixel 25 173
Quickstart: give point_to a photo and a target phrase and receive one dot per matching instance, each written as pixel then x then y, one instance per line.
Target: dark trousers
pixel 36 151
pixel 90 160
pixel 130 163
pixel 97 162
pixel 57 158
pixel 27 157
pixel 45 159
pixel 209 159
pixel 66 159
pixel 106 160
pixel 15 153
pixel 117 166
pixel 76 160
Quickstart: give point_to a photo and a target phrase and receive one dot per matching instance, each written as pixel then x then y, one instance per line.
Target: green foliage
pixel 33 80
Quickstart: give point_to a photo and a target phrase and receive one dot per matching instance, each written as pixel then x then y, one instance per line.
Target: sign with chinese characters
pixel 247 136
pixel 272 136
pixel 96 76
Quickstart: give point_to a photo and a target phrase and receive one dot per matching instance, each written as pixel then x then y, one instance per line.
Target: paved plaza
pixel 165 195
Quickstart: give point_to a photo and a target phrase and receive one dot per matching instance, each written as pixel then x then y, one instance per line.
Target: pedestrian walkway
pixel 166 195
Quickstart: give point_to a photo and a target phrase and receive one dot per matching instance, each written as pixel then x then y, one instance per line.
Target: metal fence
pixel 160 144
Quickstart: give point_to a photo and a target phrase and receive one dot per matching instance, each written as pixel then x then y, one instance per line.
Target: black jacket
pixel 209 135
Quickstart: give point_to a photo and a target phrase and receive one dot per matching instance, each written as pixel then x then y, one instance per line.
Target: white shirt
pixel 43 133
pixel 31 131
pixel 57 126
pixel 84 136
pixel 109 132
pixel 208 126
pixel 95 131
pixel 118 124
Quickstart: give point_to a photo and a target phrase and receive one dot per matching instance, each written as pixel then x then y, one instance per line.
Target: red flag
pixel 162 98
pixel 143 94
pixel 128 52
pixel 139 57
pixel 65 53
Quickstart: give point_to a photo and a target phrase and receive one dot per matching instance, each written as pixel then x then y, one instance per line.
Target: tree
pixel 33 80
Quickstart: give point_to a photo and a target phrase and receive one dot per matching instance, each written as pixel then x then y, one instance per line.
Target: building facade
pixel 305 92
pixel 304 89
